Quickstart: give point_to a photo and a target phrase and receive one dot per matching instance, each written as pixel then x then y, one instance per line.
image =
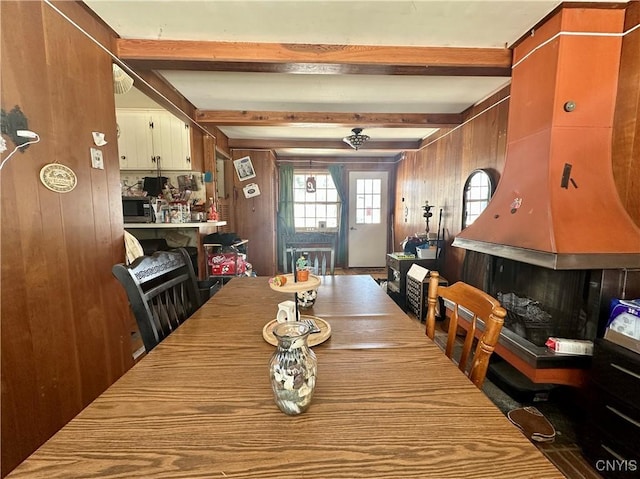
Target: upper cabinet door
pixel 152 139
pixel 135 147
pixel 171 142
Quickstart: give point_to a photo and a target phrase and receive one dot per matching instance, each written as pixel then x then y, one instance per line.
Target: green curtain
pixel 337 174
pixel 285 210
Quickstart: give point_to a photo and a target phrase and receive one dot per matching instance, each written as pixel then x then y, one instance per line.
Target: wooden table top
pixel 387 404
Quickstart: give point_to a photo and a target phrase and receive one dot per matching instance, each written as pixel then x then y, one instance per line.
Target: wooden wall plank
pixel 437 174
pixel 65 319
pixel 254 218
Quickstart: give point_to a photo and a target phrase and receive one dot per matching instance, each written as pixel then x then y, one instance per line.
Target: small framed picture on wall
pixel 244 168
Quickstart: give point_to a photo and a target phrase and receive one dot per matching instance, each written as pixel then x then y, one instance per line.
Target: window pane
pixel 310 210
pixel 332 196
pixel 376 216
pixel 368 201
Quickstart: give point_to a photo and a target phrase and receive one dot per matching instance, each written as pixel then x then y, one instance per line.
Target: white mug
pixel 286 311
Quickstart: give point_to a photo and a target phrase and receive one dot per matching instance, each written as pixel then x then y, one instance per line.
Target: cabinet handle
pixel 625 370
pixel 188 159
pixel 123 157
pixel 623 416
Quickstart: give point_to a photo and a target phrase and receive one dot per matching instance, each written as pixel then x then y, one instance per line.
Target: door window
pixel 368 200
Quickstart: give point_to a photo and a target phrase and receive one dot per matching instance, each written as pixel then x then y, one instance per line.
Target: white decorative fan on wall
pixel 122 82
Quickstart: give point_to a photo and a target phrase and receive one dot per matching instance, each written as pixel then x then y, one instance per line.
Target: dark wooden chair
pixel 465 305
pixel 162 290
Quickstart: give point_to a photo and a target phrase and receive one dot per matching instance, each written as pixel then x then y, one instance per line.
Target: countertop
pixel 199 224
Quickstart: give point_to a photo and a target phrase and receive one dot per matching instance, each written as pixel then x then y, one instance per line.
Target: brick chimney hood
pixel 556 204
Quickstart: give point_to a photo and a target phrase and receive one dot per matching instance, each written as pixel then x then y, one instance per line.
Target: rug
pixel 532 423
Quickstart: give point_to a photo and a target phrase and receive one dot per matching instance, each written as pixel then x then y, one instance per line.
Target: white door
pixel 367 219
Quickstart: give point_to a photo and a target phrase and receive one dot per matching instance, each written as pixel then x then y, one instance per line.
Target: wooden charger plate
pixel 313 339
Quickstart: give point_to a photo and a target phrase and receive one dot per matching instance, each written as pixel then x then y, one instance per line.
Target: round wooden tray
pixel 313 340
pixel 290 287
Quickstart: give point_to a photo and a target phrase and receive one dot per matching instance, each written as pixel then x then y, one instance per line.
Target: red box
pixel 227 264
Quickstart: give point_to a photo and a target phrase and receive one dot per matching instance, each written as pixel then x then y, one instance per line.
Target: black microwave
pixel 137 209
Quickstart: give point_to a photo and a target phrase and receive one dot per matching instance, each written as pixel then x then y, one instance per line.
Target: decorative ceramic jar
pixel 307 299
pixel 302 275
pixel 293 368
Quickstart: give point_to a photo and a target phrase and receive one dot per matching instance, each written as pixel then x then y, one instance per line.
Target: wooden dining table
pixel 388 403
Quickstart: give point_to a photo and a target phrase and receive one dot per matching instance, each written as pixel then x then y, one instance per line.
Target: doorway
pixel 368 227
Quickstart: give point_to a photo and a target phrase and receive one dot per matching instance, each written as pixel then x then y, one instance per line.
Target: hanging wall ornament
pixel 58 178
pixel 311 185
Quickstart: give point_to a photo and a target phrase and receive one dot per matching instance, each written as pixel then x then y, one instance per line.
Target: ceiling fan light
pixel 122 82
pixel 357 139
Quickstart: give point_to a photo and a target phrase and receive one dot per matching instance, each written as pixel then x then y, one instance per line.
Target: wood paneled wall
pixel 255 218
pixel 626 124
pixel 438 171
pixel 64 318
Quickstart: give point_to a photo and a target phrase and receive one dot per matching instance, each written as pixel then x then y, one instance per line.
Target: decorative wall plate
pixel 58 178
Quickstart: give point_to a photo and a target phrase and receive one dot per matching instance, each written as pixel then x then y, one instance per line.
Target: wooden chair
pixel 466 305
pixel 162 290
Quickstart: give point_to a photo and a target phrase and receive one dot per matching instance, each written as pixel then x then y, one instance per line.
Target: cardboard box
pixel 581 347
pixel 224 264
pixel 622 340
pixel 625 317
pixel 426 252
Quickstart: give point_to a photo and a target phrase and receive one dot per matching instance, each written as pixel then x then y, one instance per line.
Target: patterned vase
pixel 293 368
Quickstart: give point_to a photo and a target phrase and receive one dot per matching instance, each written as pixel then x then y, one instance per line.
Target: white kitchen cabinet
pixel 171 142
pixel 152 139
pixel 135 147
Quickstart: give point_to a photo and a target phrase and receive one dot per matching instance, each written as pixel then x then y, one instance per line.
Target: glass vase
pixel 293 368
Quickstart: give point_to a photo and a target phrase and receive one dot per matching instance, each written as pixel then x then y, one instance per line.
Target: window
pixel 318 208
pixel 368 200
pixel 478 190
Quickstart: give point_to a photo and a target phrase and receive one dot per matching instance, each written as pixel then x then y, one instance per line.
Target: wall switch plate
pixel 96 159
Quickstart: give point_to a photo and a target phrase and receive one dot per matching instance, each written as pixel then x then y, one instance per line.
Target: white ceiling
pixel 424 23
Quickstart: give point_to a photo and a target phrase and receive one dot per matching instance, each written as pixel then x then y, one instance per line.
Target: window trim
pixel 467 184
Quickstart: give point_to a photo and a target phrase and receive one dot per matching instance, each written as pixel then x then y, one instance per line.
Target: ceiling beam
pixel 323 144
pixel 320 160
pixel 319 68
pixel 313 58
pixel 282 118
